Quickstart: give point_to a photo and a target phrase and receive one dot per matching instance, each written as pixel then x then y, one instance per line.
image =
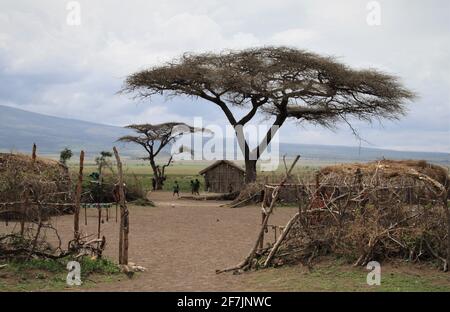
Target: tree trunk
pixel 250 171
pixel 159 183
pixel 156 175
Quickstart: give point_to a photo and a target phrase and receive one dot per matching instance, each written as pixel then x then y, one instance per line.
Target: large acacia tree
pixel 281 83
pixel 153 138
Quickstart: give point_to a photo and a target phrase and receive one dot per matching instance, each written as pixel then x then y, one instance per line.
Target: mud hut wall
pixel 219 178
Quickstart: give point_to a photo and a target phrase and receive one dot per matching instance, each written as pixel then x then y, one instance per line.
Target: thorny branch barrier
pixel 43 189
pixel 373 215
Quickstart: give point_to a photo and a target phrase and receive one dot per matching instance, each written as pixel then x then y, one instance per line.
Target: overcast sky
pixel 51 67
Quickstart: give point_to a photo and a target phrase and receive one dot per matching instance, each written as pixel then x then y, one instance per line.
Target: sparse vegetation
pixel 336 275
pixel 50 274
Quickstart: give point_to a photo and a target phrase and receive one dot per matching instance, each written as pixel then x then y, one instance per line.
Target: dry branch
pixel 248 260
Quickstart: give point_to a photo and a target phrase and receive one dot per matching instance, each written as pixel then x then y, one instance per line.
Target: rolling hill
pixel 19 129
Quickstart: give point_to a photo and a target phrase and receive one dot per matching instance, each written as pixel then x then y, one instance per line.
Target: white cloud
pixel 47 66
pixel 293 37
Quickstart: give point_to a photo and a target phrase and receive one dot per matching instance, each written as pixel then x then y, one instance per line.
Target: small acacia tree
pixel 153 138
pixel 65 155
pixel 103 161
pixel 281 83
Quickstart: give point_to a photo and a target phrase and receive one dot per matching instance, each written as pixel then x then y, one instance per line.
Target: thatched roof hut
pixel 27 180
pixel 392 174
pixel 388 169
pixel 223 176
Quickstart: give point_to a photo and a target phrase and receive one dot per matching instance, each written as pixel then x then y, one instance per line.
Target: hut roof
pixel 390 169
pixel 219 162
pixel 22 161
pixel 16 169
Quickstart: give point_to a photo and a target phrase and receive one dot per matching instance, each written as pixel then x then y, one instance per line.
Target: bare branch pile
pixel 363 212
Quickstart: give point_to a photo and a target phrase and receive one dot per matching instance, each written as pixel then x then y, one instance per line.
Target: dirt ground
pixel 181 242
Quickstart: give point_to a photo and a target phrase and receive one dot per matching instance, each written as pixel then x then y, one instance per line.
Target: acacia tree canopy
pixel 153 138
pixel 278 82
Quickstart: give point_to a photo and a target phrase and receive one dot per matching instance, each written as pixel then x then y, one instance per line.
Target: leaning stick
pixel 248 260
pixel 280 239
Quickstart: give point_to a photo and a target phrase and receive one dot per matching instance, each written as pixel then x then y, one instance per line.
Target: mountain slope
pixel 19 129
pixel 333 153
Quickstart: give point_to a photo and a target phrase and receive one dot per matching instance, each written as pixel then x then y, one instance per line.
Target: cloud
pixel 293 37
pixel 50 67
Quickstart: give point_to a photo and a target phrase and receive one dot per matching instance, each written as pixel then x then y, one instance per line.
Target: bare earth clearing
pixel 182 242
pixel 183 245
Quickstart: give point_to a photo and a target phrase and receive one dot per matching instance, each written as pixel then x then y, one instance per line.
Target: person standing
pixel 197 187
pixel 153 184
pixel 192 187
pixel 176 189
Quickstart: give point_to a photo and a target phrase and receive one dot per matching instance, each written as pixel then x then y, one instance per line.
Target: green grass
pixel 50 275
pixel 184 172
pixel 337 276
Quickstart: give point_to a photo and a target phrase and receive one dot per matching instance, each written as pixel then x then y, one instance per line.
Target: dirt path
pixel 182 243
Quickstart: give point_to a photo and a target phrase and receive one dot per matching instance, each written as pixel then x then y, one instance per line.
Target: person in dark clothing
pixel 176 189
pixel 153 184
pixel 192 187
pixel 197 187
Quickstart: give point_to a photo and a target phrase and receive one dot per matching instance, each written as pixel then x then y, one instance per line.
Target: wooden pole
pixel 24 212
pixel 76 218
pixel 33 154
pixel 85 214
pixel 25 205
pixel 124 222
pixel 99 198
pixel 117 205
pixel 99 224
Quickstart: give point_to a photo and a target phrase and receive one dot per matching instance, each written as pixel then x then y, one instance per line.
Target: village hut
pixel 223 176
pixel 395 174
pixel 32 187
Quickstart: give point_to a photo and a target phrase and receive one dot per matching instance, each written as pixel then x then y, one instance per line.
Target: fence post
pixel 76 221
pixel 124 222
